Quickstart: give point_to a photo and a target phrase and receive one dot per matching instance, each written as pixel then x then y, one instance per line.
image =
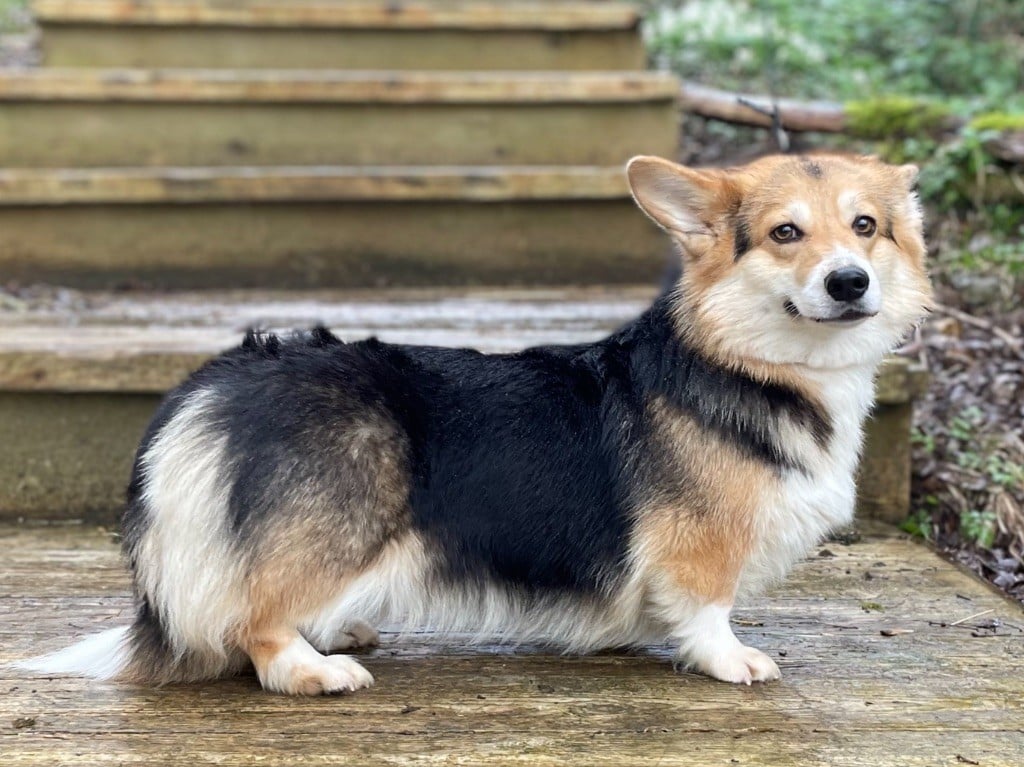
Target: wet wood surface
pixel 942 688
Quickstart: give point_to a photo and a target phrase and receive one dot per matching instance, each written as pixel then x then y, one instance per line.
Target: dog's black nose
pixel 847 284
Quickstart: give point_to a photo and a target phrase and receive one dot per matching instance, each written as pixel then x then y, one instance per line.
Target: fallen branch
pixel 971 617
pixel 760 111
pixel 1014 343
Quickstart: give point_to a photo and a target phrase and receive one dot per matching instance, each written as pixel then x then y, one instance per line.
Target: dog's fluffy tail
pixel 138 654
pixel 100 656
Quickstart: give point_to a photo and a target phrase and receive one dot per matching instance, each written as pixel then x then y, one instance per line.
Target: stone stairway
pixel 314 144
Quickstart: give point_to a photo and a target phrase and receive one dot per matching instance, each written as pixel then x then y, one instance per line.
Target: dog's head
pixel 811 260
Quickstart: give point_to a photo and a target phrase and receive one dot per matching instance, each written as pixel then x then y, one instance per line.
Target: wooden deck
pixel 949 693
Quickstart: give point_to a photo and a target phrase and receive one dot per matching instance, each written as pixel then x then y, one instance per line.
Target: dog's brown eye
pixel 786 233
pixel 865 226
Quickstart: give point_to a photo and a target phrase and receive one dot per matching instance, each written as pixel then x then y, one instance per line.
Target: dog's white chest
pixel 808 503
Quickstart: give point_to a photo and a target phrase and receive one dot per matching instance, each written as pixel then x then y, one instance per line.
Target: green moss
pixel 997 121
pixel 896 116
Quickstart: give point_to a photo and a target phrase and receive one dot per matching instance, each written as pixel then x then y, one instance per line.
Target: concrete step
pixel 94 118
pixel 324 227
pixel 81 373
pixel 341 35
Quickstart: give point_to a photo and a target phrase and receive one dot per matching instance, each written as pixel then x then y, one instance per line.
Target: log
pixel 794 115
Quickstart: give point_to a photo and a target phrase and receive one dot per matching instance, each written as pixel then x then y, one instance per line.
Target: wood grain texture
pixel 91 186
pixel 310 245
pixel 316 14
pixel 333 86
pixel 69 134
pixel 222 47
pixel 849 696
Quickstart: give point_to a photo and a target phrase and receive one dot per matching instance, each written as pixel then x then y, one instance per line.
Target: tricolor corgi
pixel 295 493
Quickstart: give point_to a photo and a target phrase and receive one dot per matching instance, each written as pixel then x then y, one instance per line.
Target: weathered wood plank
pixel 60 134
pixel 849 696
pixel 219 47
pixel 63 186
pixel 322 244
pixel 417 15
pixel 334 86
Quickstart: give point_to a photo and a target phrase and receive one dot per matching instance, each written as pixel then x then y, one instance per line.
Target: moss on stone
pixel 896 116
pixel 998 121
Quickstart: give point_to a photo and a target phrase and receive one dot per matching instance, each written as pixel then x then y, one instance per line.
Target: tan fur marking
pixel 263 647
pixel 318 543
pixel 703 538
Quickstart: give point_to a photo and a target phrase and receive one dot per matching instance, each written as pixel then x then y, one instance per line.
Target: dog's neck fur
pixel 746 404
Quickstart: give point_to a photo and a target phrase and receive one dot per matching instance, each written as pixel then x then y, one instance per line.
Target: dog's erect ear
pixel 909 174
pixel 682 201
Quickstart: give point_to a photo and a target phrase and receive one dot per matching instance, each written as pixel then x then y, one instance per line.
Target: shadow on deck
pixel 939 694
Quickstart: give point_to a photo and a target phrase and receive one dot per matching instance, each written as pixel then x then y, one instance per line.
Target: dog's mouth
pixel 848 317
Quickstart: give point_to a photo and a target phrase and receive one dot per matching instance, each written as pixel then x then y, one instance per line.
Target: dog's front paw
pixel 740 665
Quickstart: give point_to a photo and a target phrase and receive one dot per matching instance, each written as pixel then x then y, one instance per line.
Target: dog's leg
pixel 707 644
pixel 354 635
pixel 693 590
pixel 285 662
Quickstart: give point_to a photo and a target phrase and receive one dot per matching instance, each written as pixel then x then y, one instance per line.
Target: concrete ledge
pixel 74 399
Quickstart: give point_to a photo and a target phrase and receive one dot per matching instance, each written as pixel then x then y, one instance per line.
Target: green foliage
pixel 997 121
pixel 978 447
pixel 979 527
pixel 919 523
pixel 13 16
pixel 923 439
pixel 843 50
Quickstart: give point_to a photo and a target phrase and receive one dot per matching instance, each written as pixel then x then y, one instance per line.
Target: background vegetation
pixel 904 70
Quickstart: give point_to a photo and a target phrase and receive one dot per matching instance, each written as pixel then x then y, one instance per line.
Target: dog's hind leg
pixel 285 662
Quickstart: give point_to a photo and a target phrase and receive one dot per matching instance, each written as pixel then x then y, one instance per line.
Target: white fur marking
pixel 185 563
pixel 401 592
pixel 708 645
pixel 293 669
pixel 800 214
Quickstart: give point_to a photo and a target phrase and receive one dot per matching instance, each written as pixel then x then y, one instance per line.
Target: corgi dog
pixel 297 492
